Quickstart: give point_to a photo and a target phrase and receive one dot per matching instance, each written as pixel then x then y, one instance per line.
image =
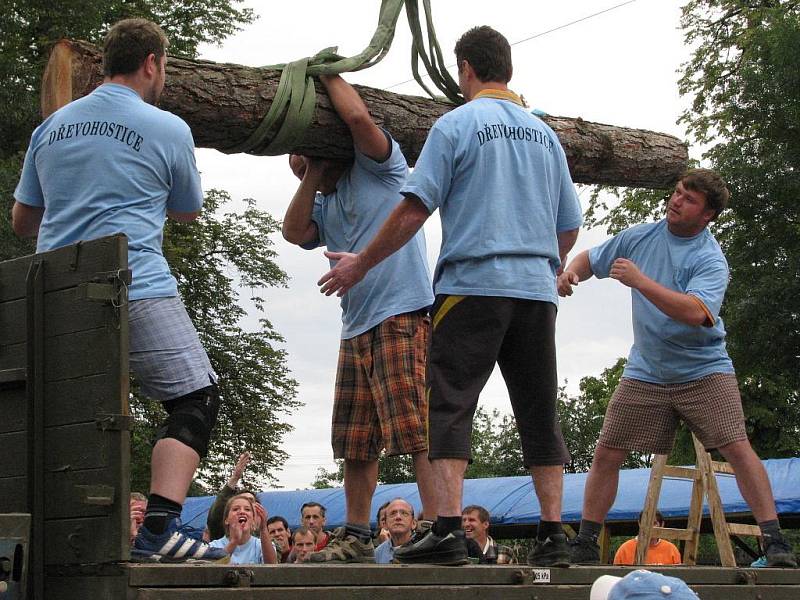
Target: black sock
pixel 590 530
pixel 159 513
pixel 445 525
pixel 770 529
pixel 548 528
pixel 359 531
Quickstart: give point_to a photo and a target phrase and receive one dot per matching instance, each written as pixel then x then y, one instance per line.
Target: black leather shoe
pixel 779 552
pixel 550 552
pixel 435 550
pixel 583 551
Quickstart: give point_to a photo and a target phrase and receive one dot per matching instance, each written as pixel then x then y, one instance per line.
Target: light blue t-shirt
pixel 665 350
pixel 246 554
pixel 349 218
pixel 111 163
pixel 384 553
pixel 499 177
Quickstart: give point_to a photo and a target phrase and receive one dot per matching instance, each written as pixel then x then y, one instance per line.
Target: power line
pixel 540 34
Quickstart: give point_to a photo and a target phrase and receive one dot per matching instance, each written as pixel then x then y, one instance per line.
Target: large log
pixel 224 103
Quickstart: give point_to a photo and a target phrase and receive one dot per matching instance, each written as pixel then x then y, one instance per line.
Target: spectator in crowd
pixel 242 515
pixel 138 504
pixel 304 540
pixel 279 531
pixel 659 552
pixel 312 515
pixel 217 511
pixel 475 523
pixel 400 523
pixel 382 532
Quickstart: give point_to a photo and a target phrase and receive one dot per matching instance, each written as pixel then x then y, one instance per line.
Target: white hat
pixel 602 587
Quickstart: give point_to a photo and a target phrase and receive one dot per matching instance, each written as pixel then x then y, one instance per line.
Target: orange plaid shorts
pixel 380 402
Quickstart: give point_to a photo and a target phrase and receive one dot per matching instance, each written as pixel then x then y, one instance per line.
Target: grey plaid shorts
pixel 166 356
pixel 645 416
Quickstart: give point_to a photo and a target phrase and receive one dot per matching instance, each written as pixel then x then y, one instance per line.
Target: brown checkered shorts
pixel 380 390
pixel 645 416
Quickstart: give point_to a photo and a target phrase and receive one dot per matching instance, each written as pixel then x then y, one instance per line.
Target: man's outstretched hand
pixel 347 272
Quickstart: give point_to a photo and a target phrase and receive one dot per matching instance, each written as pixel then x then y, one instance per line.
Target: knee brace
pixel 191 418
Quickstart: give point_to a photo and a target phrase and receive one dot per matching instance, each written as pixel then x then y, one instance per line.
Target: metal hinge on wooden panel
pixel 99 292
pixel 109 422
pixel 96 495
pixel 105 287
pixel 239 578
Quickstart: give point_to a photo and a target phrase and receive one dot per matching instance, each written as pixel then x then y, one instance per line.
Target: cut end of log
pixel 57 80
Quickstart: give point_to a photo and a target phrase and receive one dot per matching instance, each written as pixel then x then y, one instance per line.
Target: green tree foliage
pixel 744 82
pixel 255 383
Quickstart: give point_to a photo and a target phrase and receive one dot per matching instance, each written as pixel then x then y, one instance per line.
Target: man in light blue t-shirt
pixel 510 215
pixel 379 399
pixel 112 162
pixel 678 367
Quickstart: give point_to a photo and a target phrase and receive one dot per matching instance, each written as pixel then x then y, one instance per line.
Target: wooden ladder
pixel 703 476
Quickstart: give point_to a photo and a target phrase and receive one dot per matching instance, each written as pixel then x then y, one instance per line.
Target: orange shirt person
pixel 660 552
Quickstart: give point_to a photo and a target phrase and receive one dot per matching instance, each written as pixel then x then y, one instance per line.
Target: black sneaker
pixel 779 552
pixel 435 550
pixel 583 551
pixel 550 552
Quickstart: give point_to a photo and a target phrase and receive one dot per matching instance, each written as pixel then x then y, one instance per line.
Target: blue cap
pixel 646 585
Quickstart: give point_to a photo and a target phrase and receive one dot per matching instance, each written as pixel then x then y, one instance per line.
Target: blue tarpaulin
pixel 511 501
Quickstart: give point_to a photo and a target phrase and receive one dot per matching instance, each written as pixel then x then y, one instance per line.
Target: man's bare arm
pixel 579 269
pixel 298 227
pixel 682 307
pixel 25 219
pixel 368 138
pixel 405 220
pixel 566 240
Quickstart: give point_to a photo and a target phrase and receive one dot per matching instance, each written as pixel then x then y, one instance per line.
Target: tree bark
pixel 224 103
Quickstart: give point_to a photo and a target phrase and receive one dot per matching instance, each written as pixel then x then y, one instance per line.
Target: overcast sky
pixel 619 67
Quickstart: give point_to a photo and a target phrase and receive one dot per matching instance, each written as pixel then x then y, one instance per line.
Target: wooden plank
pixel 88 588
pixel 70 356
pixel 65 311
pixel 715 507
pixel 543 592
pixel 92 540
pixel 674 472
pixel 744 529
pixel 695 519
pixel 13 404
pixel 70 448
pixel 669 533
pixel 604 541
pixel 74 401
pixel 62 498
pixel 65 267
pixel 13 495
pixel 210 575
pixel 478 592
pixel 650 507
pixel 722 468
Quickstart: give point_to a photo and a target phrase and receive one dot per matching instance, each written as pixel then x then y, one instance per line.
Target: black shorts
pixel 472 333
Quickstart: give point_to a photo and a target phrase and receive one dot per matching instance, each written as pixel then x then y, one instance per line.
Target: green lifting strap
pixel 292 109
